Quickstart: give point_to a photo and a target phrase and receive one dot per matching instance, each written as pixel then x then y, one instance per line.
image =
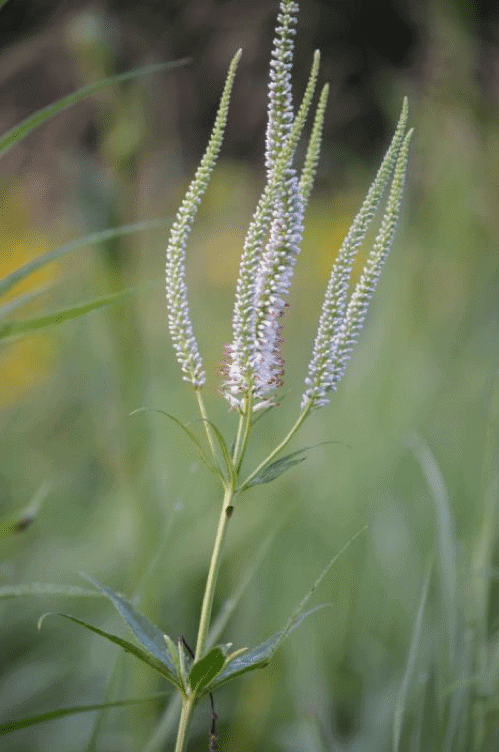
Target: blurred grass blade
pixel 46 588
pixel 2 3
pixel 12 330
pixel 143 655
pixel 95 237
pixel 25 299
pixel 400 702
pixel 37 118
pixel 144 630
pixel 445 536
pixel 9 726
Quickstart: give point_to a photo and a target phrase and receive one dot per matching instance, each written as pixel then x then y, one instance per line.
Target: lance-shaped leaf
pixel 205 670
pixel 276 469
pixel 145 656
pixel 144 630
pixel 280 466
pixel 260 656
pixel 199 447
pixel 179 321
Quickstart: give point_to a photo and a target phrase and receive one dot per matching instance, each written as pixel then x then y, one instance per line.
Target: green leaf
pixel 44 589
pixel 258 657
pixel 277 468
pixel 205 670
pixel 146 657
pixel 37 118
pixel 144 630
pixel 227 458
pixel 96 237
pixel 199 447
pixel 9 726
pixel 15 329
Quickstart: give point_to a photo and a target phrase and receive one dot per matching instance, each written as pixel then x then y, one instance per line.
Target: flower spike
pixel 179 322
pixel 340 323
pixel 253 364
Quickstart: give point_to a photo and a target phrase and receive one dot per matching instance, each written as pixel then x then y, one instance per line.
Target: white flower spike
pixel 340 323
pixel 179 322
pixel 253 364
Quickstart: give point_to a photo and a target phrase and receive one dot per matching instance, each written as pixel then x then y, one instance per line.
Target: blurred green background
pixel 119 491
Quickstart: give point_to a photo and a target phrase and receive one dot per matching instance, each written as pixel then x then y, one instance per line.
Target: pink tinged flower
pixel 253 363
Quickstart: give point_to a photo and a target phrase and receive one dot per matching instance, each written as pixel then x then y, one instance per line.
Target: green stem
pixel 211 581
pixel 243 432
pixel 207 426
pixel 239 436
pixel 278 448
pixel 183 724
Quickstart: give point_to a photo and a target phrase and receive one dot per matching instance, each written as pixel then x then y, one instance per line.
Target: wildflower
pixel 340 322
pixel 179 322
pixel 253 364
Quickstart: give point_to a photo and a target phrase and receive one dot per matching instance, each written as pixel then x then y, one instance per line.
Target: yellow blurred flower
pixel 23 363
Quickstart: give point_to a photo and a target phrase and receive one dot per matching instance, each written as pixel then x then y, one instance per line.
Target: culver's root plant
pixel 253 366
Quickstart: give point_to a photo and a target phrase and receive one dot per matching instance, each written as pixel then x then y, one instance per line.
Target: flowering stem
pixel 211 581
pixel 243 431
pixel 183 725
pixel 278 448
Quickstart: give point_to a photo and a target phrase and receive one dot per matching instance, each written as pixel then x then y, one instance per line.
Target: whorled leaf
pixel 145 656
pixel 144 630
pixel 280 466
pixel 258 657
pixel 199 447
pixel 204 671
